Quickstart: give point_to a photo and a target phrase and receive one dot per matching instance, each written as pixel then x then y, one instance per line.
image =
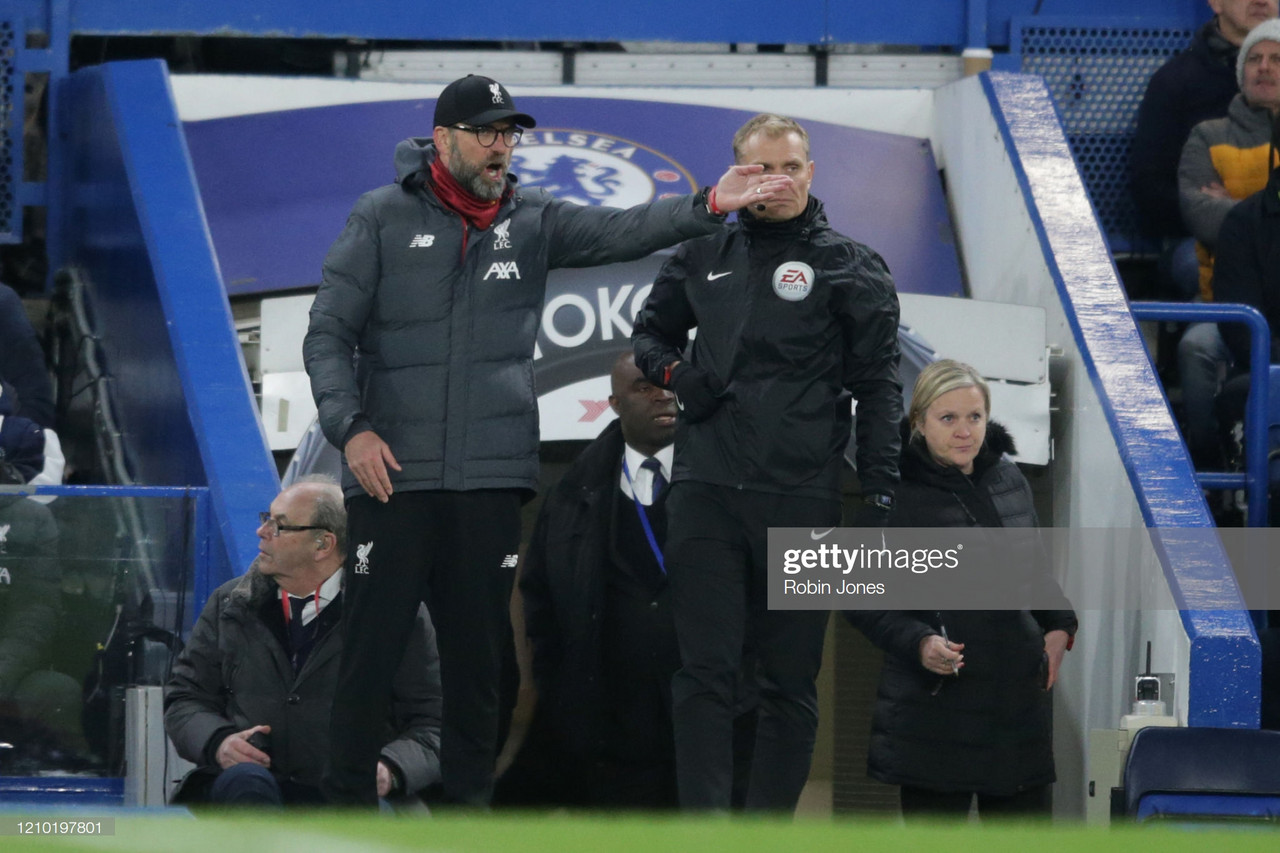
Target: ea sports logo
pixel 595 169
pixel 793 280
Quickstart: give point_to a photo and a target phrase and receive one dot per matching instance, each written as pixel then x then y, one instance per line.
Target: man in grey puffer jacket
pixel 420 353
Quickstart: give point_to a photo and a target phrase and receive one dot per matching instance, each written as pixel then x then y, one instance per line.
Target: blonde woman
pixel 963 707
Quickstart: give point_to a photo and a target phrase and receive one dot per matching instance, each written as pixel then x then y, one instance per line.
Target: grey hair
pixel 329 510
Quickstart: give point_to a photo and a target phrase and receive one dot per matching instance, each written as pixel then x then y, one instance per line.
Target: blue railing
pixel 1254 478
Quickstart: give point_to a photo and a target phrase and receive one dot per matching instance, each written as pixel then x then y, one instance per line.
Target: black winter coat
pixel 1194 86
pixel 444 319
pixel 990 730
pixel 1247 268
pixel 793 318
pixel 235 673
pixel 562 585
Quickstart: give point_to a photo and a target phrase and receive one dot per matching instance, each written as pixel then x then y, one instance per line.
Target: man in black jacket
pixel 437 284
pixel 1194 86
pixel 250 695
pixel 793 319
pixel 598 616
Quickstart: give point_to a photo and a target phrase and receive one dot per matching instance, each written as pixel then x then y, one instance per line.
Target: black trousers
pixel 716 563
pixel 457 552
pixel 922 803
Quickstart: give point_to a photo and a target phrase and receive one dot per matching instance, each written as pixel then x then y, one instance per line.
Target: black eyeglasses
pixel 487 136
pixel 275 528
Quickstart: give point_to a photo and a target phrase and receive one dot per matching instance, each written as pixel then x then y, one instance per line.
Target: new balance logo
pixel 422 241
pixel 503 235
pixel 502 270
pixel 4 576
pixel 362 558
pixel 509 561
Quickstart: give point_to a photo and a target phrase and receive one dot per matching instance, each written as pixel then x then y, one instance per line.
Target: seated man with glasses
pixel 249 699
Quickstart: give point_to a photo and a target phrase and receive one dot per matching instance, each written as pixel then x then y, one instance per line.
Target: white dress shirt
pixel 643 477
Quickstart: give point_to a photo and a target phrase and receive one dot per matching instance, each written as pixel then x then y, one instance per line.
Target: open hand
pixel 743 185
pixel 368 457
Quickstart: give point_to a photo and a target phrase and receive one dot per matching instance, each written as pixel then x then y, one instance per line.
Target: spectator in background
pixel 22 363
pixel 963 707
pixel 1247 266
pixel 1247 270
pixel 33 450
pixel 598 615
pixel 793 319
pixel 1223 161
pixel 437 284
pixel 1196 85
pixel 250 696
pixel 30 610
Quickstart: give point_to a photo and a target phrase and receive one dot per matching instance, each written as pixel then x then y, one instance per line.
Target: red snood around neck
pixel 477 212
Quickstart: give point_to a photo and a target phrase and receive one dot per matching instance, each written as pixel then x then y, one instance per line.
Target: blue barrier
pixel 140 239
pixel 1225 658
pixel 944 23
pixel 1254 479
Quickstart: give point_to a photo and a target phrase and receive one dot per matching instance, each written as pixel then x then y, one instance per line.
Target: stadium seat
pixel 1203 774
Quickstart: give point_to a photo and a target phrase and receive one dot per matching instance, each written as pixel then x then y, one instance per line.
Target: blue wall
pixel 926 22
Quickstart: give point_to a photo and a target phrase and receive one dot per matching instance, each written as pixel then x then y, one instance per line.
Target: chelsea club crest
pixel 596 169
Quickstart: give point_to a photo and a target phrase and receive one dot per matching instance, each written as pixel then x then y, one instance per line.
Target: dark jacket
pixel 1194 86
pixel 444 319
pixel 562 585
pixel 23 442
pixel 1247 267
pixel 990 729
pixel 235 673
pixel 22 362
pixel 788 365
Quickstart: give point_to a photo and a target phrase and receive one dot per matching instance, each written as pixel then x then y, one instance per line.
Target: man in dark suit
pixel 598 616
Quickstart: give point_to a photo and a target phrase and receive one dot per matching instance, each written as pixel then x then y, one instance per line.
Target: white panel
pixel 1024 411
pixel 287 408
pixel 893 72
pixel 907 111
pixel 284 325
pixel 513 68
pixel 1001 340
pixel 577 411
pixel 681 69
pixel 145 747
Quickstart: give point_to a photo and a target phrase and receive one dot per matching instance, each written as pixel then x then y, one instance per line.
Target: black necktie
pixel 298 633
pixel 659 481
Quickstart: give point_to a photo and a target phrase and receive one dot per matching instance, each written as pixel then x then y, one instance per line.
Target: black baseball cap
pixel 477 101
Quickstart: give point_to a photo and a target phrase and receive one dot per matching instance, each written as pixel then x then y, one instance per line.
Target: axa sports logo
pixel 596 169
pixel 793 280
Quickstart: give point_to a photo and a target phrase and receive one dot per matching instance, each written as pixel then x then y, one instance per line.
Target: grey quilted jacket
pixel 441 320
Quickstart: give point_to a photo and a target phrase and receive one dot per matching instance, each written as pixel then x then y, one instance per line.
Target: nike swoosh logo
pixel 815 535
pixel 714 276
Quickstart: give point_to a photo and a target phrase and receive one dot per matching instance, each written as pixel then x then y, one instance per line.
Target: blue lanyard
pixel 644 518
